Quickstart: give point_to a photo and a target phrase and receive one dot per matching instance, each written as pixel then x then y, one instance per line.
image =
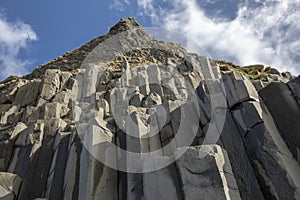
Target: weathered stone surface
pixel 51 84
pixel 275 167
pixel 56 174
pixel 72 170
pixel 205 172
pixel 31 114
pixel 161 184
pixel 63 97
pixel 11 111
pixel 5 154
pixel 258 84
pixel 90 81
pixel 53 125
pixel 5 107
pixel 37 172
pixel 96 180
pixel 52 110
pixel 238 88
pixel 232 141
pixel 27 94
pixel 294 86
pixel 26 145
pixel 279 172
pixel 247 115
pixel 286 116
pixel 9 186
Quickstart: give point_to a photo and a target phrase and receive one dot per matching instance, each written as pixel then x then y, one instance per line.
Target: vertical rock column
pixel 238 90
pixel 206 173
pixel 9 186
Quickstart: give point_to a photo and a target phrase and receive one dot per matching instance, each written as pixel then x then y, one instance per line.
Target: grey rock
pixel 9 186
pixel 286 116
pixel 4 107
pixel 64 78
pixel 72 170
pixel 258 84
pixel 161 184
pixel 166 133
pixel 63 97
pixel 247 115
pixel 51 84
pixel 52 110
pixel 27 94
pixel 31 114
pixel 5 154
pixel 238 88
pixel 17 129
pixel 37 172
pixel 241 166
pixel 278 170
pixel 56 174
pixel 205 172
pixel 5 115
pixel 275 71
pixel 294 86
pixel 53 125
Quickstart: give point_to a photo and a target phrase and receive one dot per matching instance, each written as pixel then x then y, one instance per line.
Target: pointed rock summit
pixel 128 117
pixel 124 24
pixel 73 59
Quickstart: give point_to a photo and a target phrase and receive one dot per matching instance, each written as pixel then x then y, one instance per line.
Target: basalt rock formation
pixel 194 128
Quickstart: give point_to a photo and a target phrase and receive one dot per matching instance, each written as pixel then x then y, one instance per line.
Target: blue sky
pixel 247 32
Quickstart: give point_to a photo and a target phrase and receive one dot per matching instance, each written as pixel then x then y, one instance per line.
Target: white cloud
pixel 119 4
pixel 14 37
pixel 267 34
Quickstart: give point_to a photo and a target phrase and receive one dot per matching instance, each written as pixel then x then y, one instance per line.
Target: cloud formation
pixel 14 37
pixel 262 31
pixel 119 5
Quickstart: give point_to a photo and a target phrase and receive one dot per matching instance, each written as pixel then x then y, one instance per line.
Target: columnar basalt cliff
pixel 128 117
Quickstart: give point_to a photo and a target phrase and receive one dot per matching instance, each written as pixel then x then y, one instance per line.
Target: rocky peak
pixel 72 60
pixel 124 24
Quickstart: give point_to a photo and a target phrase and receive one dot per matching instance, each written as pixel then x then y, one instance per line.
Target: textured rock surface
pixel 65 127
pixel 206 176
pixel 9 185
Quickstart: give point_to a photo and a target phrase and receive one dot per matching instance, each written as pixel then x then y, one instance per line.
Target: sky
pixel 245 32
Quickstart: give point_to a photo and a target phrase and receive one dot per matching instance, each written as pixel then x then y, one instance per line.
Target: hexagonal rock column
pixel 206 173
pixel 9 186
pixel 285 112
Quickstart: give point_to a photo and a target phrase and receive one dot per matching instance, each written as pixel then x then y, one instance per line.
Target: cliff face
pixel 128 117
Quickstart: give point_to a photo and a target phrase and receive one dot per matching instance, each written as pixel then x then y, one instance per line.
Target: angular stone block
pixel 57 171
pixel 35 179
pixel 5 115
pixel 294 86
pixel 27 94
pixel 238 88
pixel 31 114
pixel 9 186
pixel 71 176
pixel 247 115
pixel 52 110
pixel 206 173
pixel 286 113
pixel 51 84
pixel 162 183
pixel 232 141
pixel 277 169
pixel 6 150
pixel 53 125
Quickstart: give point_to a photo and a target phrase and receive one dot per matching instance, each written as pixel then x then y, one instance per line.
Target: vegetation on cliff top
pixel 254 72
